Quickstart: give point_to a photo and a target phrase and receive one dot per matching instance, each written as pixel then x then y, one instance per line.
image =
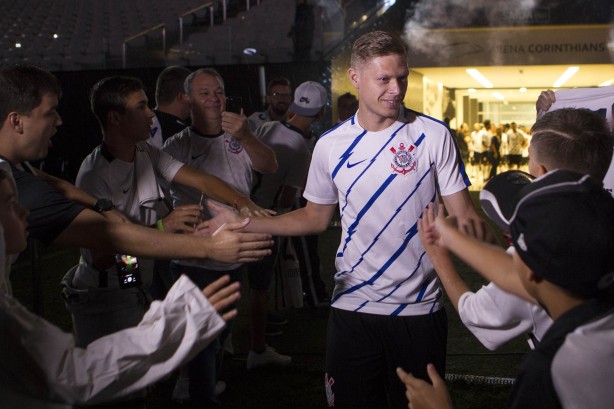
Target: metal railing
pixel 181 23
pixel 143 33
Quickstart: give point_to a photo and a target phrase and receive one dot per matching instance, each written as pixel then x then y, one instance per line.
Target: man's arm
pixel 231 245
pixel 75 194
pixel 311 219
pixel 67 189
pixel 219 190
pixel 262 157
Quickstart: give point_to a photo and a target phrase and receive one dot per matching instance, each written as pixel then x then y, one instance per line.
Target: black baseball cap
pixel 562 228
pixel 498 196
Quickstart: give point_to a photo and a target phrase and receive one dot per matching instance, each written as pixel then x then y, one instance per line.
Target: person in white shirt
pixel 382 166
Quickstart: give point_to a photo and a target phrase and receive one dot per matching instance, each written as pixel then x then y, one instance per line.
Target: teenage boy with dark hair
pixel 562 230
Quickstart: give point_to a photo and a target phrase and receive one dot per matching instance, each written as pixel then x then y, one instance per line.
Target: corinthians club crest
pixel 234 146
pixel 404 161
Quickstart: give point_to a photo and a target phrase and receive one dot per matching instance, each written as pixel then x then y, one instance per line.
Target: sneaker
pixel 267 358
pixel 272 330
pixel 273 318
pixel 181 392
pixel 220 387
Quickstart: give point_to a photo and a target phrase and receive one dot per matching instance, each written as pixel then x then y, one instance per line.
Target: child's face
pixel 13 218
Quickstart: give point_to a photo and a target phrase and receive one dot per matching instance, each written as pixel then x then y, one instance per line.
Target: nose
pixel 58 120
pixel 395 86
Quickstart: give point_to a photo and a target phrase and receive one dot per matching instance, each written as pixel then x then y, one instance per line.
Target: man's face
pixel 381 84
pixel 207 98
pixel 279 99
pixel 137 119
pixel 39 125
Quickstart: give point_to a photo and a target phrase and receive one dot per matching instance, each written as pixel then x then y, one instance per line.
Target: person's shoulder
pixel 262 116
pixel 179 137
pixel 94 160
pixel 350 127
pixel 432 128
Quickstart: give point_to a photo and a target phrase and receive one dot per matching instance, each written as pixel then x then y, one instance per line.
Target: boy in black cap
pixel 572 139
pixel 563 234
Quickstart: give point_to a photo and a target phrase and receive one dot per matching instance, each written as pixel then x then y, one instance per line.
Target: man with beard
pixel 278 98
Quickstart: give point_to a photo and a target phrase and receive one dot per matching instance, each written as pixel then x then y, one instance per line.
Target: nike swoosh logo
pixel 351 165
pixel 196 157
pixel 125 190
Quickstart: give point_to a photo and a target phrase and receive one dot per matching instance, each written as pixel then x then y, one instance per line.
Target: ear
pixel 354 76
pixel 14 121
pixel 113 117
pixel 541 169
pixel 182 97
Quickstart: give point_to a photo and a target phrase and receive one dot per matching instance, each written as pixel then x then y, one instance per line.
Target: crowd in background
pixel 489 149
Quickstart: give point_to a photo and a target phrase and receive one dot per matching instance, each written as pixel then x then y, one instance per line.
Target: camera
pixel 128 271
pixel 233 104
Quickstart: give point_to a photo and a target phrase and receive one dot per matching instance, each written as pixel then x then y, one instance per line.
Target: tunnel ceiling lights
pixel 569 72
pixel 476 75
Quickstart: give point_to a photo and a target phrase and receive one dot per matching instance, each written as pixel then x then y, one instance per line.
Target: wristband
pixel 160 225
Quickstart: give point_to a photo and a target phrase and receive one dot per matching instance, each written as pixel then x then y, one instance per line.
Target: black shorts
pixel 364 350
pixel 478 157
pixel 515 159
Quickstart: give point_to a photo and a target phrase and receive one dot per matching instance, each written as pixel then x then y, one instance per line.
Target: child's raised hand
pixel 423 395
pixel 221 294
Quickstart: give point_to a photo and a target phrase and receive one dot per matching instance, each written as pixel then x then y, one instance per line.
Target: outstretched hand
pixel 430 236
pixel 433 226
pixel 221 295
pixel 223 215
pixel 424 395
pixel 251 209
pixel 231 245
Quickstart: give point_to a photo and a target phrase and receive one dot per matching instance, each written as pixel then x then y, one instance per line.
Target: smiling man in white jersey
pixel 382 166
